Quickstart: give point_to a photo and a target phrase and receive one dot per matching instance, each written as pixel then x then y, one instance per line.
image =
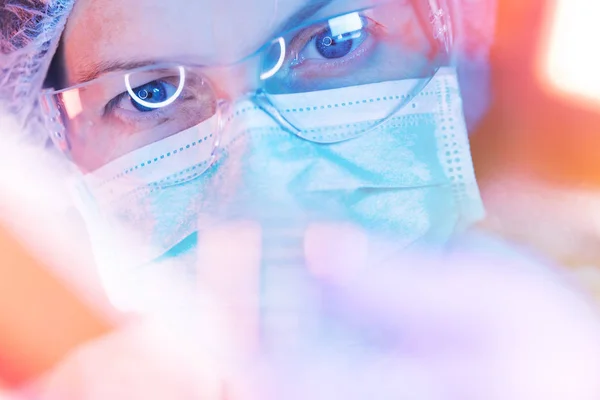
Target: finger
pixel 229 267
pixel 494 313
pixel 335 251
pixel 339 255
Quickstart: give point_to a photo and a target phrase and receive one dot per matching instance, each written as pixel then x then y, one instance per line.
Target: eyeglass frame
pixel 439 18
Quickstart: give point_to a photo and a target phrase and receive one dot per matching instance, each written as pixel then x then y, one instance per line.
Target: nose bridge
pixel 234 82
pixel 236 85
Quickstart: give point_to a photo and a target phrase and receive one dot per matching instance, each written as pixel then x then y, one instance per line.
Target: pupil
pixel 332 47
pixel 152 92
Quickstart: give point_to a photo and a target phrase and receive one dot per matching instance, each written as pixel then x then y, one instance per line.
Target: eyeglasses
pixel 398 40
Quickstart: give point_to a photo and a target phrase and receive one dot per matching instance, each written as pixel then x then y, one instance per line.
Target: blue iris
pixel 330 46
pixel 152 92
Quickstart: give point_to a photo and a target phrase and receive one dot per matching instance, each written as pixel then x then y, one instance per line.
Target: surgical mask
pixel 328 122
pixel 409 182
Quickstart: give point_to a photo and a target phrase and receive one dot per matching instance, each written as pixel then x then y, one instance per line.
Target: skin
pixel 201 32
pixel 196 32
pixel 100 33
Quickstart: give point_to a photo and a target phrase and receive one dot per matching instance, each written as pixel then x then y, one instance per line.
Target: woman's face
pixel 108 34
pixel 380 139
pixel 104 36
pixel 384 41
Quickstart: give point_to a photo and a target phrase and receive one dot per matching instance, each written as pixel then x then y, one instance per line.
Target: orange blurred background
pixel 41 319
pixel 531 126
pixel 536 152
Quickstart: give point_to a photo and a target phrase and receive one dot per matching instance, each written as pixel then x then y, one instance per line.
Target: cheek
pixel 84 157
pixel 87 151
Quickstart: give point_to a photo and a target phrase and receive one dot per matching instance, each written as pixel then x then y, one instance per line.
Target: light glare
pixel 345 24
pixel 572 56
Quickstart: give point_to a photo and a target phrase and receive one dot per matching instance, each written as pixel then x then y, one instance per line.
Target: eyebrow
pixel 302 15
pixel 91 71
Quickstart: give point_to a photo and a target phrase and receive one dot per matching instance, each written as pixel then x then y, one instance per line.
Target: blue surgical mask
pixel 410 181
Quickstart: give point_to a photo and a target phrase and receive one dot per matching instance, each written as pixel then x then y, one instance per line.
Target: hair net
pixel 29 34
pixel 30 31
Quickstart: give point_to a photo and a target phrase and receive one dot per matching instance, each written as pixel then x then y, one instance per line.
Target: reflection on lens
pixel 276 52
pixel 152 96
pixel 394 41
pixel 384 43
pixel 125 112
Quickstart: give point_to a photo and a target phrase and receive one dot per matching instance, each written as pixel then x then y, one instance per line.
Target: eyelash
pixel 307 37
pixel 112 109
pixel 298 44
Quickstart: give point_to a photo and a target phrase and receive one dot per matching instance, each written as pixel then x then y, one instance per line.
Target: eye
pixel 156 91
pixel 150 98
pixel 330 46
pixel 337 39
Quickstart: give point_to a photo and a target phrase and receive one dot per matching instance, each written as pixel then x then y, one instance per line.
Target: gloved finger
pixel 229 268
pixel 515 323
pixel 407 284
pixel 338 255
pixel 146 359
pixel 229 265
pixel 334 251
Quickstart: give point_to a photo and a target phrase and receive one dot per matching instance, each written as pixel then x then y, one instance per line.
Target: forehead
pixel 203 31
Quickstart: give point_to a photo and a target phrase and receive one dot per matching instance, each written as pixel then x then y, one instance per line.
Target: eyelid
pixel 299 41
pixel 325 20
pixel 305 36
pixel 313 21
pixel 112 104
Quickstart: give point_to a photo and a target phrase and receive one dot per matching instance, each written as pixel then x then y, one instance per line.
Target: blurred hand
pixel 481 324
